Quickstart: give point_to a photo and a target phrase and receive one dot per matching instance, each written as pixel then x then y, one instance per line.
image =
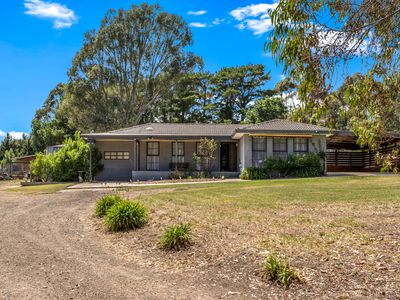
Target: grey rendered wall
pixel 316 144
pixel 166 154
pixel 116 170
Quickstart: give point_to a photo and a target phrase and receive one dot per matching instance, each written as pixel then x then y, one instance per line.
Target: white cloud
pixel 17 134
pixel 14 134
pixel 217 21
pixel 254 17
pixel 332 39
pixel 62 16
pixel 198 25
pixel 197 13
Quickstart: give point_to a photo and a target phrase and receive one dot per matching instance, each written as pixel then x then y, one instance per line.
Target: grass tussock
pixel 177 237
pixel 279 271
pixel 105 203
pixel 126 215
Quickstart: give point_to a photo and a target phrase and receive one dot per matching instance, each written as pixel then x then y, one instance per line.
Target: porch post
pixel 90 160
pixel 134 155
pixel 176 155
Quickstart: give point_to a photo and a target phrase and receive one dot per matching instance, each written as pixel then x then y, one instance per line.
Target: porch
pixel 155 159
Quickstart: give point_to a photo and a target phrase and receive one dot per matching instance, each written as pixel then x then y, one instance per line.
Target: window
pixel 153 156
pixel 300 145
pixel 280 148
pixel 180 155
pixel 116 155
pixel 200 154
pixel 259 151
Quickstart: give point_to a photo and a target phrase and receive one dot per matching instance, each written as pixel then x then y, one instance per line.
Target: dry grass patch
pixel 340 233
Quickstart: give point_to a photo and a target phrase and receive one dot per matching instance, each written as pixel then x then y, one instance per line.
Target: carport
pixel 345 155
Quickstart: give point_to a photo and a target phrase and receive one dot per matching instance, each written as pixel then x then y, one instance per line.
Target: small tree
pixel 8 160
pixel 205 155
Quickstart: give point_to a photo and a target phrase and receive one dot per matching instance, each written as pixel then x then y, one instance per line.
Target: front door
pixel 225 157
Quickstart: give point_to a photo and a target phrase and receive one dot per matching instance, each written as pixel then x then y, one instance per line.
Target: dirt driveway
pixel 49 250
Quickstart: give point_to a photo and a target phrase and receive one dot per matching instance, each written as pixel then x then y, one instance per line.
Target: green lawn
pixel 282 192
pixel 40 189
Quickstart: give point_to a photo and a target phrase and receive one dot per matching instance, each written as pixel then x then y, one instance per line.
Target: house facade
pixel 153 150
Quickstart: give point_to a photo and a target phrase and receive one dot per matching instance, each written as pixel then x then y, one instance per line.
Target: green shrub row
pixel 306 165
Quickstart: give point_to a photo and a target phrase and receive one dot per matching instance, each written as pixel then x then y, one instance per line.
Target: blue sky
pixel 38 40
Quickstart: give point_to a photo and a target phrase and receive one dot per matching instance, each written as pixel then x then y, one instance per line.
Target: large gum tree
pixel 319 42
pixel 124 67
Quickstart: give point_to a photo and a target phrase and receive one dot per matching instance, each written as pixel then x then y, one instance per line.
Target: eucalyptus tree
pixel 122 69
pixel 50 126
pixel 316 40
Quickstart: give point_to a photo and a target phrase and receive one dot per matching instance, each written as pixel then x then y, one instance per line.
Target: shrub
pixel 176 237
pixel 65 164
pixel 280 271
pixel 306 165
pixel 253 173
pixel 126 215
pixel 105 203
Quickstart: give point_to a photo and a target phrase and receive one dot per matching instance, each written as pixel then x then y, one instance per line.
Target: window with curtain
pixel 300 145
pixel 259 151
pixel 280 147
pixel 153 156
pixel 178 152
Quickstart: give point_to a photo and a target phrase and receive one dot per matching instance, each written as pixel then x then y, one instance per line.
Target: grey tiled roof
pixel 280 125
pixel 223 130
pixel 185 129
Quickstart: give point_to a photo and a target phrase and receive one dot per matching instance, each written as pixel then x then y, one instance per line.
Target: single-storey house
pixel 153 150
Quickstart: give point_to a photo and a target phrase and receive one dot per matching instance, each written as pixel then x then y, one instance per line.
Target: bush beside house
pixel 307 165
pixel 65 164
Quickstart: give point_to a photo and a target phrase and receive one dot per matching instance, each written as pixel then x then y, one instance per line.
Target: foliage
pixel 314 39
pixel 205 157
pixel 105 203
pixel 50 126
pixel 20 147
pixel 125 66
pixel 65 164
pixel 305 165
pixel 176 237
pixel 126 215
pixel 7 161
pixel 254 173
pixel 266 109
pixel 235 88
pixel 279 271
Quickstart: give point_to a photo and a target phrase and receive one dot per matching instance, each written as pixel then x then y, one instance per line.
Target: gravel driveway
pixel 48 250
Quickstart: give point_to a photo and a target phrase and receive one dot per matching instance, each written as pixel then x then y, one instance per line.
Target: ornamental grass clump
pixel 279 271
pixel 177 237
pixel 126 215
pixel 105 203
